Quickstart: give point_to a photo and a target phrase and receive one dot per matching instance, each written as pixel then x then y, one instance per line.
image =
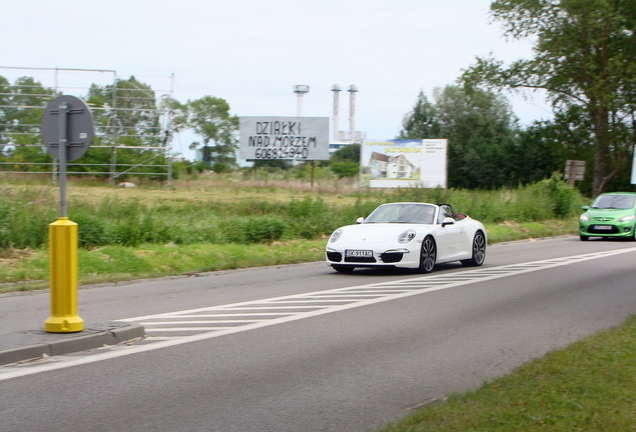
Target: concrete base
pixel 33 344
pixel 70 324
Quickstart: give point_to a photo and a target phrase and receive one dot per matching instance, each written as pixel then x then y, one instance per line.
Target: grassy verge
pixel 510 231
pixel 588 386
pixel 25 269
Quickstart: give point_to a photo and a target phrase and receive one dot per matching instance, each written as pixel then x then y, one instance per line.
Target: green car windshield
pixel 621 202
pixel 403 213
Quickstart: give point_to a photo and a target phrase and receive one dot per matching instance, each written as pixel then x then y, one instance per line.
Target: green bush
pixel 345 168
pixel 263 229
pixel 231 230
pixel 26 212
pixel 90 230
pixel 564 198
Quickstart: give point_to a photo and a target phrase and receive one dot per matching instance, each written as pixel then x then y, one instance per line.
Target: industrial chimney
pixel 336 97
pixel 352 112
pixel 300 90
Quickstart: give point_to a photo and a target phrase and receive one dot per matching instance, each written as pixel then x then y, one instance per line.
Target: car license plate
pixel 359 253
pixel 603 227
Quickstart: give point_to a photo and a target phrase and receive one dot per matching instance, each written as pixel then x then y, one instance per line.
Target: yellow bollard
pixel 63 268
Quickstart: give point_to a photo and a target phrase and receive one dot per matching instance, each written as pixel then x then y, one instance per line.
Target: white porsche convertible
pixel 408 235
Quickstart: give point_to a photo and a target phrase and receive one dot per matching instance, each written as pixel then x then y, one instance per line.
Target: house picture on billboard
pixel 390 163
pixel 392 167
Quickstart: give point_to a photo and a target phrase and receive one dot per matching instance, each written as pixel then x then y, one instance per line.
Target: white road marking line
pixel 198 322
pixel 480 275
pixel 233 315
pixel 187 329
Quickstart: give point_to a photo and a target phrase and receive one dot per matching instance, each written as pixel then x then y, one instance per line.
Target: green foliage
pixel 348 153
pixel 136 120
pixel 480 128
pixel 220 167
pixel 19 126
pixel 90 230
pixel 564 198
pixel 209 117
pixel 263 229
pixel 586 62
pixel 544 200
pixel 272 164
pixel 345 168
pixel 117 263
pixel 25 213
pixel 422 121
pixel 345 162
pixel 534 154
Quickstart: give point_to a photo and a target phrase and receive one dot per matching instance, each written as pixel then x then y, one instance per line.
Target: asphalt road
pixel 308 349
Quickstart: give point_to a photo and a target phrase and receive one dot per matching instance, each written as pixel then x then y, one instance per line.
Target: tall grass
pixel 26 211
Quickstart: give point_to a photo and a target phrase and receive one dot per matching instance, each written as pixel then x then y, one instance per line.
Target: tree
pixel 210 118
pixel 177 113
pixel 125 113
pixel 585 58
pixel 421 121
pixel 345 161
pixel 5 101
pixel 349 153
pixel 129 109
pixel 479 126
pixel 534 154
pixel 20 119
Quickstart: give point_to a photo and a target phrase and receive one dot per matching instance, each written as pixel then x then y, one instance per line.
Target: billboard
pixel 290 138
pixel 396 163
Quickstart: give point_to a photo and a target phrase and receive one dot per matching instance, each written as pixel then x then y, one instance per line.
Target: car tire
pixel 428 255
pixel 343 269
pixel 584 238
pixel 479 251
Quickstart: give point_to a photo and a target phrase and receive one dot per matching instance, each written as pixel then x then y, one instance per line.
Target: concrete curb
pixel 73 344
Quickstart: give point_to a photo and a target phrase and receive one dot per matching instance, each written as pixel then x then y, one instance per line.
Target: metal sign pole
pixel 62 149
pixel 67 131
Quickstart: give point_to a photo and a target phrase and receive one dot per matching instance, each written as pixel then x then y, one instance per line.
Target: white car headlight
pixel 626 218
pixel 406 236
pixel 335 236
pixel 584 217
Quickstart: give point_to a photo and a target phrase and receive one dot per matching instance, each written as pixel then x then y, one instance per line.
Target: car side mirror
pixel 360 220
pixel 448 221
pixel 585 208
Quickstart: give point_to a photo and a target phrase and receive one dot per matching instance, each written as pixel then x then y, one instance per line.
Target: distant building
pixel 335 146
pixel 343 140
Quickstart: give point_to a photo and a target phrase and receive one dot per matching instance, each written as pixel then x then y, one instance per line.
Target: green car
pixel 610 215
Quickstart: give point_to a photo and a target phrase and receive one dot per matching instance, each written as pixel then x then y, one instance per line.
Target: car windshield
pixel 403 213
pixel 622 202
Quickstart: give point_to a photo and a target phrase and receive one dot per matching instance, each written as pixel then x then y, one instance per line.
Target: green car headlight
pixel 626 218
pixel 585 218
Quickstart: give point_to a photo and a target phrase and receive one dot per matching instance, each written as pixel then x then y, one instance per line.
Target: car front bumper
pixel 402 257
pixel 604 229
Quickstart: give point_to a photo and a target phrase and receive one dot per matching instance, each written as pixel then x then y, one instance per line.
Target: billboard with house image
pixel 395 163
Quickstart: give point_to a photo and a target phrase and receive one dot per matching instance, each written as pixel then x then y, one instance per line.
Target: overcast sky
pixel 252 52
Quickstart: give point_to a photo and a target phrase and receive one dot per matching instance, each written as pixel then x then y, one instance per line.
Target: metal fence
pixel 131 118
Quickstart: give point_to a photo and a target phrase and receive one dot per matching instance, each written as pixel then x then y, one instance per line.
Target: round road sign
pixel 80 127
